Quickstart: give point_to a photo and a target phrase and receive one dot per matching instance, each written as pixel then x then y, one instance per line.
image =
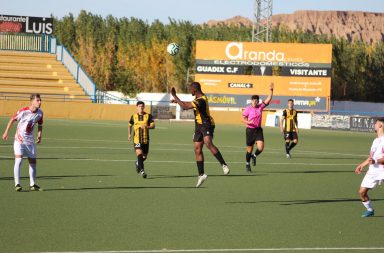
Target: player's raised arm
pixel 176 99
pixel 269 98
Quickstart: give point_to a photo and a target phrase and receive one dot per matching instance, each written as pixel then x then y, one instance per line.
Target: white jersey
pixel 377 152
pixel 27 121
pixel 375 173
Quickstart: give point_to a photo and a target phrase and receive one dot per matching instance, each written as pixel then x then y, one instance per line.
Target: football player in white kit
pixel 375 173
pixel 25 144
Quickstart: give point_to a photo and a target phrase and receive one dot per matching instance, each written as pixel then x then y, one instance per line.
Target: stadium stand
pixel 23 73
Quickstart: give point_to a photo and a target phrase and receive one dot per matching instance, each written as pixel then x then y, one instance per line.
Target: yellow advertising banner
pixel 254 51
pixel 299 86
pixel 299 71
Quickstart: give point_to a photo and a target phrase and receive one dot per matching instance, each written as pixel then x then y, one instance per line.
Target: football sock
pixel 291 146
pixel 287 147
pixel 248 157
pixel 368 205
pixel 140 162
pixel 257 152
pixel 220 158
pixel 200 167
pixel 16 170
pixel 32 174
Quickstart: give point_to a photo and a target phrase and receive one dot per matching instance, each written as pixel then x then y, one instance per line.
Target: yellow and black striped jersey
pixel 201 110
pixel 141 135
pixel 290 117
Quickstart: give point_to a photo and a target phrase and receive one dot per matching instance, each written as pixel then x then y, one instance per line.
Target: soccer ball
pixel 173 49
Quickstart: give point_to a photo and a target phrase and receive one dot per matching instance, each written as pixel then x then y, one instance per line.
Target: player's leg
pixel 288 137
pixel 250 139
pixel 33 174
pixel 248 157
pixel 198 142
pixel 214 150
pixel 145 149
pixel 140 161
pixel 260 147
pixel 199 156
pixel 369 182
pixel 31 153
pixel 287 141
pixel 208 141
pixel 18 149
pixel 259 137
pixel 363 192
pixel 294 140
pixel 16 172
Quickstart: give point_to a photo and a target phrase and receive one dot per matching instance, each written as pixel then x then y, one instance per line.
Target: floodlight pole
pixel 262 21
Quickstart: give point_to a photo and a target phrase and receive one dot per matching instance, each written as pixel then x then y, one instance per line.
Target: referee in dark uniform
pixel 204 128
pixel 289 127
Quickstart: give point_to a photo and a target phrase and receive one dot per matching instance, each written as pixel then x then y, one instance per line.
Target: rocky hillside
pixel 351 25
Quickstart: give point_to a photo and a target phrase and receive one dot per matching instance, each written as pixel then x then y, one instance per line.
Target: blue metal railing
pixel 106 98
pixel 26 42
pixel 63 55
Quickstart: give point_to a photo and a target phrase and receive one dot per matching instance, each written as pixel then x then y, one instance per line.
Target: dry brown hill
pixel 351 25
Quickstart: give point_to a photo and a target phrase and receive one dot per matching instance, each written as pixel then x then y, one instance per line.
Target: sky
pixel 196 11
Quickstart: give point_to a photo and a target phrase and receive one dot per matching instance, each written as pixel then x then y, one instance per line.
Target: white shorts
pixel 372 179
pixel 28 149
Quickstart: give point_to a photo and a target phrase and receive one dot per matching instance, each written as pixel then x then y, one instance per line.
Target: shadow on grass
pixel 7 158
pixel 209 175
pixel 301 202
pixel 310 172
pixel 47 158
pixel 121 188
pixel 57 177
pixel 63 158
pixel 325 158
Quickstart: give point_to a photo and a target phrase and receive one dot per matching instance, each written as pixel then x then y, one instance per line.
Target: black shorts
pixel 201 131
pixel 252 135
pixel 143 147
pixel 290 136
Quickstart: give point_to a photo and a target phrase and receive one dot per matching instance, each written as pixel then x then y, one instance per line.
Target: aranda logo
pixel 235 51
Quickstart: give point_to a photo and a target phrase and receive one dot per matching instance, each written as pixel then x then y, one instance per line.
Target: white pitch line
pixel 188 162
pixel 190 144
pixel 230 250
pixel 270 151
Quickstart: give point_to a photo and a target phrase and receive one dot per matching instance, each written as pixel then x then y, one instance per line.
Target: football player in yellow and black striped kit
pixel 289 127
pixel 141 122
pixel 204 128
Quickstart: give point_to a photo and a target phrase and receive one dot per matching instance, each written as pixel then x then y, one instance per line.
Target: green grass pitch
pixel 93 200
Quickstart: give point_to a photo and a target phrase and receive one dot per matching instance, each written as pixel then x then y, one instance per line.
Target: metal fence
pixel 26 42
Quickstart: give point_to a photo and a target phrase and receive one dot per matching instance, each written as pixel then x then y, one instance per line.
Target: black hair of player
pixel 196 85
pixel 255 97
